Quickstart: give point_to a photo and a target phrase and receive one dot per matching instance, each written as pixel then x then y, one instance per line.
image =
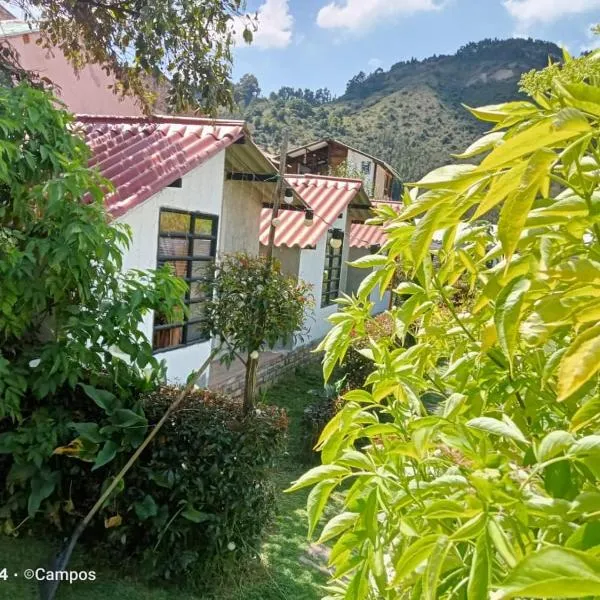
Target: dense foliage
pixel 199 498
pixel 494 492
pixel 411 116
pixel 184 47
pixel 252 305
pixel 69 317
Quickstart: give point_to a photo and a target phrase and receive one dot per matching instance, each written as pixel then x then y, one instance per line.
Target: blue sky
pixel 323 43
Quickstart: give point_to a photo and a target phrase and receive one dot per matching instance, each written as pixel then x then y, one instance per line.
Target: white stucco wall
pixel 355 161
pixel 312 263
pixel 355 276
pixel 240 223
pixel 202 191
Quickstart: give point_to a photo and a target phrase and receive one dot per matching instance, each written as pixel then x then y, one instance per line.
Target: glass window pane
pixel 173 246
pixel 201 268
pixel 195 332
pixel 196 310
pixel 174 221
pixel 202 247
pixel 165 338
pixel 197 290
pixel 203 225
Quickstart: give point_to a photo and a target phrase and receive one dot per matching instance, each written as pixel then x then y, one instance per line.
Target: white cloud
pixel 359 15
pixel 375 63
pixel 528 12
pixel 274 23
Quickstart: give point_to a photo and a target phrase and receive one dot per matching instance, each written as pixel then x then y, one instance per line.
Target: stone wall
pixel 271 371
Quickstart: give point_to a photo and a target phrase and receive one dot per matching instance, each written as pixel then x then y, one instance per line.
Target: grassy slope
pixel 279 575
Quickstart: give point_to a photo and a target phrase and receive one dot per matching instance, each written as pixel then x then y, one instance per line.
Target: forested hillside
pixel 411 116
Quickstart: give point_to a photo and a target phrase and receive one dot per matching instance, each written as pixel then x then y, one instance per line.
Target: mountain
pixel 411 116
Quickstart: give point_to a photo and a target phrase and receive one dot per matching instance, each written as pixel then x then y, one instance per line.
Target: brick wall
pixel 272 371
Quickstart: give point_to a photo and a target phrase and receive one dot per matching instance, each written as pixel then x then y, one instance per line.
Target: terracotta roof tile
pixel 142 155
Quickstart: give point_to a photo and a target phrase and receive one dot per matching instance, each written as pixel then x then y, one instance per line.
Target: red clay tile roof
pixel 364 236
pixel 328 197
pixel 143 155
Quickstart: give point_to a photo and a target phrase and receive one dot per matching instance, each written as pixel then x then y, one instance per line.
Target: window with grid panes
pixel 332 271
pixel 187 242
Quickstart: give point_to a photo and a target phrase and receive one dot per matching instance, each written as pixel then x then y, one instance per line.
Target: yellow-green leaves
pixel 481 569
pixel 553 573
pixel 516 208
pixel 580 363
pixel 507 314
pixel 545 134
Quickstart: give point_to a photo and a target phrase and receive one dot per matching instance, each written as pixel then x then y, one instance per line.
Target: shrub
pixel 200 495
pixel 356 367
pixel 252 305
pixel 69 316
pixel 316 415
pixel 496 494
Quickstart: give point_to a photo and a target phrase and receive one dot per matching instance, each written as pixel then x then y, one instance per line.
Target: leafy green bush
pixel 69 316
pixel 496 494
pixel 316 415
pixel 251 306
pixel 357 364
pixel 200 496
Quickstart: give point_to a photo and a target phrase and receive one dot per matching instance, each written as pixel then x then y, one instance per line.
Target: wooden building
pixel 332 157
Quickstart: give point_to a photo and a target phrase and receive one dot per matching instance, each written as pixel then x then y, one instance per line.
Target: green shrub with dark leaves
pixel 70 338
pixel 200 496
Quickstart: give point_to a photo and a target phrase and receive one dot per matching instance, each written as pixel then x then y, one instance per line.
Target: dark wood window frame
pixel 332 271
pixel 190 259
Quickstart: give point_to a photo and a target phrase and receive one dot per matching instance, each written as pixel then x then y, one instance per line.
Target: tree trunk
pixel 250 387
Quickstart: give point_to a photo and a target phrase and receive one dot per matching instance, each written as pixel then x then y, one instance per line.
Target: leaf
pixel 423 235
pixel 513 215
pixel 366 262
pixel 42 486
pixel 507 314
pixel 546 133
pixel 414 555
pixel 88 431
pixel 104 399
pixel 450 177
pixel 146 508
pixel 483 144
pixel 587 446
pixel 481 570
pixel 501 542
pixel 123 417
pixel 558 480
pixel 337 525
pixel 495 113
pixel 317 499
pixel 193 515
pixel 496 427
pixel 317 474
pixel 553 573
pixel 114 521
pixel 587 414
pixel 580 363
pixel 431 576
pixel 553 444
pixel 108 452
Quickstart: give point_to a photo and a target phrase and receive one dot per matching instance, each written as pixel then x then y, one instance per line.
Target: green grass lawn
pixel 278 573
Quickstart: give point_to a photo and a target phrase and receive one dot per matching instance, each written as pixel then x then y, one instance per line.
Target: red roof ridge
pixel 325 177
pixel 150 119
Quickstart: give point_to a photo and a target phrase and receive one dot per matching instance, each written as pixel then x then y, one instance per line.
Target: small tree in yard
pixel 69 317
pixel 252 306
pixel 494 492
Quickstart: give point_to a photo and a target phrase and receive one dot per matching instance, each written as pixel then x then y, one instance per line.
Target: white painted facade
pixel 236 204
pixel 357 162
